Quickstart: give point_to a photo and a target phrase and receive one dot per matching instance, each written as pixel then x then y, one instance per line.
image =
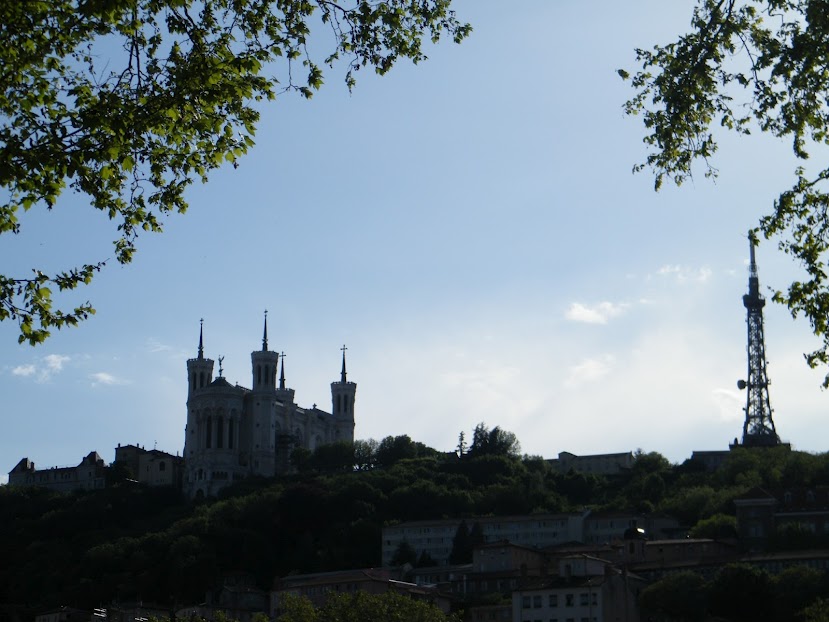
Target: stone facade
pixel 234 432
pixel 90 474
pixel 151 466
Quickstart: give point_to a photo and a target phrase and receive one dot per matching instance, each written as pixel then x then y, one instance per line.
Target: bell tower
pixel 263 364
pixel 343 394
pixel 199 369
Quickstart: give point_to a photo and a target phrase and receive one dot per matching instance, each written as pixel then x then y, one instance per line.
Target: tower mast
pixel 758 429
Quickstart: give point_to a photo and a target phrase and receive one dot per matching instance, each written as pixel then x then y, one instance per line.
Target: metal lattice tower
pixel 758 429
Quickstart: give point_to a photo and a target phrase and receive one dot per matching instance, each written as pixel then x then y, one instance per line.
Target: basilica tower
pixel 343 394
pixel 199 369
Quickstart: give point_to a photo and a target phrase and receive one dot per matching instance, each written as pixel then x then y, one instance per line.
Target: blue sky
pixel 471 229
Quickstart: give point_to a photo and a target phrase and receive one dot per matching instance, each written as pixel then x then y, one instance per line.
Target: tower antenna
pixel 758 428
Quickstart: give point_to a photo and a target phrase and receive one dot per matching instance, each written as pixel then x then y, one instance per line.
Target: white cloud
pixel 104 378
pixel 684 274
pixel 54 362
pixel 4 479
pixel 43 369
pixel 589 370
pixel 24 370
pixel 598 314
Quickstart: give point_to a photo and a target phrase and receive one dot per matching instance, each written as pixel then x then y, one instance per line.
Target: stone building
pixel 90 474
pixel 234 432
pixel 151 466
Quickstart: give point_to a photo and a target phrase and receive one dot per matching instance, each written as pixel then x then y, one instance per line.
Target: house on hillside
pixel 584 588
pixel 90 474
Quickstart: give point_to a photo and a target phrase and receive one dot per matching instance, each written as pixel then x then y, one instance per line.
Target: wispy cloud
pixel 24 370
pixel 589 370
pixel 154 345
pixel 684 274
pixel 106 379
pixel 43 369
pixel 597 314
pixel 55 362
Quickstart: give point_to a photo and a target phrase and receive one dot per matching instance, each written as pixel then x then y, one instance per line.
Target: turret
pixel 199 369
pixel 343 394
pixel 263 364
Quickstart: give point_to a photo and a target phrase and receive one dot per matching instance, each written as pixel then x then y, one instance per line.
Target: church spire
pixel 265 334
pixel 342 373
pixel 201 339
pixel 282 373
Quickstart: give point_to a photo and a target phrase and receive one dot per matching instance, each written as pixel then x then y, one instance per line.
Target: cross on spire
pixel 342 373
pixel 282 373
pixel 265 334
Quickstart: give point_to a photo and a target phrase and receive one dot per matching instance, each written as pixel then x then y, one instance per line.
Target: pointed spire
pixel 265 334
pixel 201 339
pixel 282 373
pixel 342 373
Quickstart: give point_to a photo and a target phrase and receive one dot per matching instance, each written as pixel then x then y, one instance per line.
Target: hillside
pixel 133 543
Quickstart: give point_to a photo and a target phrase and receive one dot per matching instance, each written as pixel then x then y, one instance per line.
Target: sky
pixel 470 227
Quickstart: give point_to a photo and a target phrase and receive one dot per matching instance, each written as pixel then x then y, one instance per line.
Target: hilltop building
pixel 151 466
pixel 234 432
pixel 597 464
pixel 90 474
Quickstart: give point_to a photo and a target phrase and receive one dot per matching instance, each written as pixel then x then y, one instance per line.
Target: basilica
pixel 233 432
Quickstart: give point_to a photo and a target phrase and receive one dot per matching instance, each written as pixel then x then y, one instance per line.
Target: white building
pixel 234 432
pixel 587 589
pixel 435 537
pixel 597 464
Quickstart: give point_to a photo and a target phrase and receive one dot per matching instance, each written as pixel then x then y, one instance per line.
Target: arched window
pixel 339 403
pixel 267 374
pixel 230 423
pixel 194 380
pixel 162 466
pixel 201 379
pixel 258 374
pixel 209 439
pixel 220 432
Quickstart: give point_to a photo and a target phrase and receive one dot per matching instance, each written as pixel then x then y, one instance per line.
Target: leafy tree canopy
pixel 494 442
pixel 750 65
pixel 127 102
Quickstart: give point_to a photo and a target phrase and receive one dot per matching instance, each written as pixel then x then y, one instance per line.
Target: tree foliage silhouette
pixel 129 102
pixel 749 65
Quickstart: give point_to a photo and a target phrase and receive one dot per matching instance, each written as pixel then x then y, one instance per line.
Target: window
pixel 220 432
pixel 526 602
pixel 583 599
pixel 553 600
pixel 568 600
pixel 209 441
pixel 595 598
pixel 162 466
pixel 537 602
